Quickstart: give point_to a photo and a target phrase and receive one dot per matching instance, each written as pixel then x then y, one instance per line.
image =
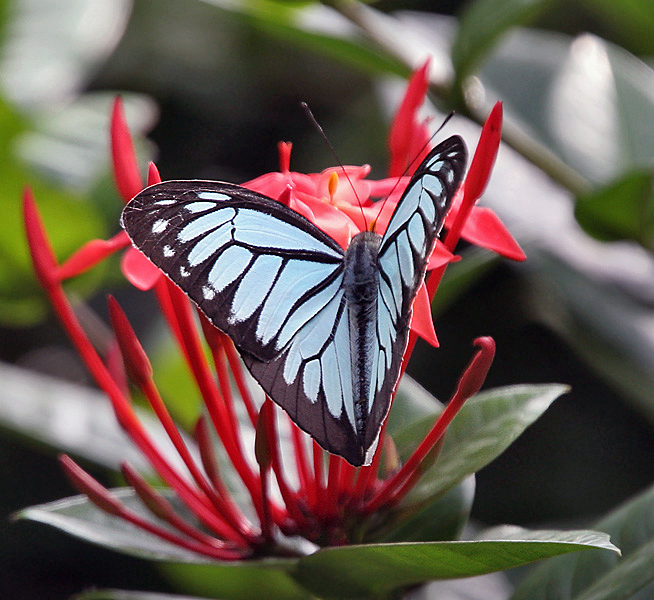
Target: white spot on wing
pixel 159 225
pixel 213 196
pixel 168 252
pixel 196 207
pixel 208 293
pixel 183 271
pixel 166 202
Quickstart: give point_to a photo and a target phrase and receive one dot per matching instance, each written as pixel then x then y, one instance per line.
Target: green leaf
pixel 40 407
pixel 486 425
pixel 482 24
pixel 595 574
pixel 441 520
pixel 622 210
pixel 379 570
pixel 632 22
pixel 129 595
pixel 461 276
pixel 316 27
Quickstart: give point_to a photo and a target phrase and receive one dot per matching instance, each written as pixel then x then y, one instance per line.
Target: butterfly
pixel 322 329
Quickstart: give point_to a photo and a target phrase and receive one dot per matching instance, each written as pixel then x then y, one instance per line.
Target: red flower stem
pixel 125 165
pixel 90 254
pixel 265 517
pixel 140 369
pixel 125 414
pixel 45 265
pixel 165 303
pixel 161 508
pixel 289 496
pixel 212 470
pixel 469 384
pixel 368 475
pixel 237 526
pixel 236 367
pixel 410 482
pixel 106 501
pixel 215 342
pixel 318 477
pixel 333 480
pixel 307 486
pixel 215 404
pixel 346 480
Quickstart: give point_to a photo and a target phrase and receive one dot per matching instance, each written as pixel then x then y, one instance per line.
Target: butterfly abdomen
pixel 361 283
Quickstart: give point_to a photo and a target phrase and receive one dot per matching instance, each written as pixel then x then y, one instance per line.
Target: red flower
pixel 322 506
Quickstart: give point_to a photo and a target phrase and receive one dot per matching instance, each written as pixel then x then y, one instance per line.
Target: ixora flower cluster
pixel 318 497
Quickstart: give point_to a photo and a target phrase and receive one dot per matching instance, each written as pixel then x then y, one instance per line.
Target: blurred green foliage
pixel 577 84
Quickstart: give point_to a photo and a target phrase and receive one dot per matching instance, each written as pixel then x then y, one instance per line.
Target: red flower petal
pixel 484 228
pixel 484 158
pixel 440 257
pixel 422 322
pixel 43 258
pixel 407 134
pixel 138 270
pixel 126 168
pixel 91 253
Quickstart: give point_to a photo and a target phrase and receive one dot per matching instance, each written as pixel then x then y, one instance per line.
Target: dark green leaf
pixel 441 520
pixel 378 570
pixel 483 23
pixel 622 210
pixel 129 595
pixel 632 21
pixel 485 427
pixel 40 407
pixel 316 27
pixel 461 276
pixel 591 575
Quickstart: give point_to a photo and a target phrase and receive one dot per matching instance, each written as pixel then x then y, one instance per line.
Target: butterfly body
pixel 321 329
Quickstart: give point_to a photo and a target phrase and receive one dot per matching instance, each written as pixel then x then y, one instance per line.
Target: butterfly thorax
pixel 361 283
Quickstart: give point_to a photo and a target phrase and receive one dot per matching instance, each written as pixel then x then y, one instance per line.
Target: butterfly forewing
pixel 274 282
pixel 403 254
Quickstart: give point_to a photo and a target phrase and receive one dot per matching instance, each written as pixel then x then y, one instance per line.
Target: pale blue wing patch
pixel 257 229
pixel 204 224
pixel 295 279
pixel 254 287
pixel 230 264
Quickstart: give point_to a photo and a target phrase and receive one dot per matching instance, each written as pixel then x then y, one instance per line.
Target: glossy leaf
pixel 378 570
pixel 622 210
pixel 595 574
pixel 482 23
pixel 129 595
pixel 72 418
pixel 485 427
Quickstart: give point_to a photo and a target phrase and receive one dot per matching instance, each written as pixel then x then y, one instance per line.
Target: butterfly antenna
pixel 413 161
pixel 315 123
